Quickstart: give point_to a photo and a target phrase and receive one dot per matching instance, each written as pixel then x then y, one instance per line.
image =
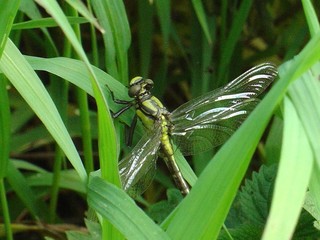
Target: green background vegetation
pixel 56 129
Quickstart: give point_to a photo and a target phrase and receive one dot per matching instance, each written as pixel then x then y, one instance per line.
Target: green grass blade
pixel 4 127
pixel 305 95
pixel 233 36
pixel 46 23
pixel 108 38
pixel 199 10
pixel 74 71
pixel 115 205
pixel 20 185
pixel 69 180
pixel 8 11
pixel 163 11
pixel 145 32
pixel 311 17
pixel 120 27
pixel 107 136
pixel 117 37
pixel 81 8
pixel 24 79
pixel 292 179
pixel 30 9
pixel 107 142
pixel 4 153
pixel 5 211
pixel 273 142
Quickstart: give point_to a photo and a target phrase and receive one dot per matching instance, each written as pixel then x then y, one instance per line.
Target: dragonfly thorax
pixel 148 108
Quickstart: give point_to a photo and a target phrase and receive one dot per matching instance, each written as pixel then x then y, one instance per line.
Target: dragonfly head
pixel 140 86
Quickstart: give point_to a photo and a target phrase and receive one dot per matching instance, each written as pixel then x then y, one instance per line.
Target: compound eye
pixel 149 84
pixel 134 90
pixel 136 80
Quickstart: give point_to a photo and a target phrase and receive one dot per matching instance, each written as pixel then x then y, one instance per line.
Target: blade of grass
pixel 305 95
pixel 45 23
pixel 59 92
pixel 292 179
pixel 233 36
pixel 117 38
pixel 74 71
pixel 4 153
pixel 201 52
pixel 116 14
pixel 115 205
pixel 81 8
pixel 30 9
pixel 108 38
pixel 107 135
pixel 106 129
pixel 163 9
pixel 20 185
pixel 83 103
pixel 24 79
pixel 4 127
pixel 8 12
pixel 145 31
pixel 5 211
pixel 69 180
pixel 311 17
pixel 199 10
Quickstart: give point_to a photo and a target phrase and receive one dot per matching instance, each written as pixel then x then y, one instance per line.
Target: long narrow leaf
pixel 107 142
pixel 116 206
pixel 8 11
pixel 4 127
pixel 198 8
pixel 19 184
pixel 292 179
pixel 26 81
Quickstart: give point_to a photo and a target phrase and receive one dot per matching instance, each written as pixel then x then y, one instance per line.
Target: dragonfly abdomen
pixel 168 156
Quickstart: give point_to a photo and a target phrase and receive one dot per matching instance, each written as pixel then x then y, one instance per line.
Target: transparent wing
pixel 137 169
pixel 209 120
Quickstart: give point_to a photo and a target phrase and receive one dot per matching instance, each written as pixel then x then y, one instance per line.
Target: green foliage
pixel 250 209
pixel 56 65
pixel 161 210
pixel 94 232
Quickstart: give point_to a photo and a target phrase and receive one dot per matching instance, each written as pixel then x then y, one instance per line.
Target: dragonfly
pixel 196 126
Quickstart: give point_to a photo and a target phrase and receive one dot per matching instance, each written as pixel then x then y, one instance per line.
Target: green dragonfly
pixel 196 126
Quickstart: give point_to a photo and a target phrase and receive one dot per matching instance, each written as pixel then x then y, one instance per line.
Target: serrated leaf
pixel 311 207
pixel 305 228
pixel 245 231
pixel 160 210
pixel 94 232
pixel 256 194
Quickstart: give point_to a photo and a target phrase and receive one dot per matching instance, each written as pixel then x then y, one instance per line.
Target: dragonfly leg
pixel 129 135
pixel 122 110
pixel 116 100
